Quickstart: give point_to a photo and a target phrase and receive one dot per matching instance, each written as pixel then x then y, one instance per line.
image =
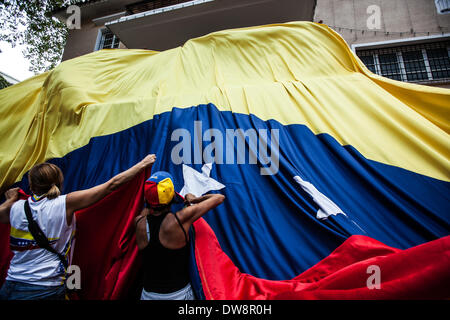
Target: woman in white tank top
pixel 34 272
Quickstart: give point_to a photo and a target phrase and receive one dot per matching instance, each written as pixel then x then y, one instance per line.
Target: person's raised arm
pixel 12 195
pixel 84 198
pixel 201 205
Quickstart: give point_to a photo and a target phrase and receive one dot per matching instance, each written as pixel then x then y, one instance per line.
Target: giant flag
pixel 333 175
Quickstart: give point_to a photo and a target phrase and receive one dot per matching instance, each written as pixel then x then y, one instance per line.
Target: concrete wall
pixel 82 41
pixel 413 18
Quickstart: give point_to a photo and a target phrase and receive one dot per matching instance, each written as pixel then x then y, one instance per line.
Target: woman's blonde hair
pixel 46 179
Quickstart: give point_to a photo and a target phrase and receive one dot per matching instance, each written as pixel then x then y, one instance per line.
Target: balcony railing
pixel 148 5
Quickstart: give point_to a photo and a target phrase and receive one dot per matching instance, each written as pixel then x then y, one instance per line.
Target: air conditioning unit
pixel 443 6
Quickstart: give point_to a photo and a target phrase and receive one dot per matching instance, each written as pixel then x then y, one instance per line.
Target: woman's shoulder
pixel 56 204
pixel 59 199
pixel 53 212
pixel 17 206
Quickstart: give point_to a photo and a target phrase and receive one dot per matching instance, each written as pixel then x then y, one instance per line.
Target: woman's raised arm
pixel 84 198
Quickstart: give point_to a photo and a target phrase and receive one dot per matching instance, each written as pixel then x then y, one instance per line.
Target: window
pixel 413 63
pixel 389 66
pixel 439 63
pixel 107 40
pixel 369 62
pixel 443 6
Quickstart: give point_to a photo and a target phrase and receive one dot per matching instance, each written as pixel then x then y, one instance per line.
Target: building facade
pixel 406 40
pixel 165 24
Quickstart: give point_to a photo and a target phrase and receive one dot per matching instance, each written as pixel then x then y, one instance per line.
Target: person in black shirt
pixel 162 237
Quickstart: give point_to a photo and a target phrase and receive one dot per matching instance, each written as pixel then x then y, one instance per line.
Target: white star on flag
pixel 199 183
pixel 326 206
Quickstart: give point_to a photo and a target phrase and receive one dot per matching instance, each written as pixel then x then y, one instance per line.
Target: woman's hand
pixel 12 194
pixel 148 160
pixel 189 197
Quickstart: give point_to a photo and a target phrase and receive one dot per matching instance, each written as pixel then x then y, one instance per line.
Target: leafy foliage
pixel 29 23
pixel 4 83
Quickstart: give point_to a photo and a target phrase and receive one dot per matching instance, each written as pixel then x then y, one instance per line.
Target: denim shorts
pixel 14 290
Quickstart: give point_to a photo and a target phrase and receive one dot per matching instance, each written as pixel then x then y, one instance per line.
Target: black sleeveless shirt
pixel 165 270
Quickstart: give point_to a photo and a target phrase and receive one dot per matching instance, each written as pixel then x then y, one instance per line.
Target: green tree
pixel 4 83
pixel 29 23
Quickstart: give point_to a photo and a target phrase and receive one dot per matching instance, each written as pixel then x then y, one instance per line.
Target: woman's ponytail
pixel 54 192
